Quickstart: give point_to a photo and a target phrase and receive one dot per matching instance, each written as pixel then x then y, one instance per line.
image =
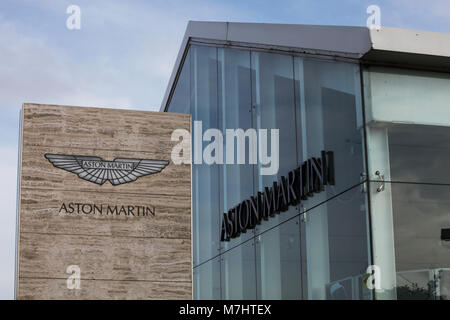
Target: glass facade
pixel 388 202
pixel 408 141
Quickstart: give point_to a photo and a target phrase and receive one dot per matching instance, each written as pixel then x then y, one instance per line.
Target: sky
pixel 123 55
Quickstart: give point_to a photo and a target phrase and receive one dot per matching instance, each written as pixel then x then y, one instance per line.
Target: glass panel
pixel 238 272
pixel 274 101
pixel 235 107
pixel 408 96
pixel 420 220
pixel 443 286
pixel 414 284
pixel 329 114
pixel 278 262
pixel 419 153
pixel 180 102
pixel 320 110
pixel 207 280
pixel 205 178
pixel 408 213
pixel 338 258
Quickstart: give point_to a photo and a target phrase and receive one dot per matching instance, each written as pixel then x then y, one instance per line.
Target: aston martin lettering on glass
pixel 96 170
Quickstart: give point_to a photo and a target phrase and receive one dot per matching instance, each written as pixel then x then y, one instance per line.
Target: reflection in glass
pixel 180 101
pixel 419 213
pixel 278 262
pixel 238 272
pixel 206 218
pixel 341 256
pixel 234 106
pixel 404 95
pixel 273 97
pixel 316 106
pixel 207 280
pixel 329 116
pixel 419 153
pixel 328 96
pixel 414 284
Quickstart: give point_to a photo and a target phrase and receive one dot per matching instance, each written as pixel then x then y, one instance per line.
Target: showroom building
pixel 377 103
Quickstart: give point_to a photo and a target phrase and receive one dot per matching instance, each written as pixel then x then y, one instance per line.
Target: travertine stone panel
pixel 93 289
pixel 41 214
pixel 130 241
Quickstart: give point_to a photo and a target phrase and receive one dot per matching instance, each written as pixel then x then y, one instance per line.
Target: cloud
pixel 34 71
pixel 122 57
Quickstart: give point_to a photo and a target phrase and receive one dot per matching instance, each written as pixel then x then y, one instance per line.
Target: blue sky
pixel 123 56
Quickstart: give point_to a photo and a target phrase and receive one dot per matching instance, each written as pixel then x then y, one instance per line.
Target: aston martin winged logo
pixel 96 170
